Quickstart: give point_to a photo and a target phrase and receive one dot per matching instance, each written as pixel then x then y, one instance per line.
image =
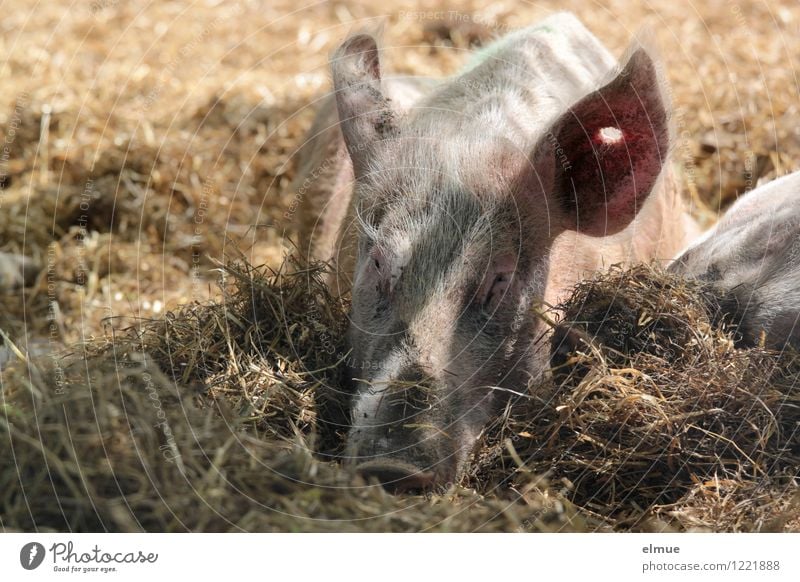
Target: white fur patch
pixel 371 396
pixel 401 256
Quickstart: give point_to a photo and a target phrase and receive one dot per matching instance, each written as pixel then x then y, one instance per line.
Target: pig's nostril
pixel 396 476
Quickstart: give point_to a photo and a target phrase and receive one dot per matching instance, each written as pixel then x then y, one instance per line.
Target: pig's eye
pixel 498 282
pixel 378 261
pixel 496 291
pixel 378 270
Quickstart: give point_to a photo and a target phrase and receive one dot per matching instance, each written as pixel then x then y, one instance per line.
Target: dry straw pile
pixel 209 421
pixel 229 416
pixel 145 142
pixel 656 408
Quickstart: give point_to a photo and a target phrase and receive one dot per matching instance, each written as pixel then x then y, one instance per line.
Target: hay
pixel 271 351
pixel 229 415
pixel 656 410
pixel 146 142
pixel 205 421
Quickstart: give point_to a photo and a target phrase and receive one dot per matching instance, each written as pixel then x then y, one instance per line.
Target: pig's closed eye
pixel 378 268
pixel 497 290
pixel 498 281
pixel 494 290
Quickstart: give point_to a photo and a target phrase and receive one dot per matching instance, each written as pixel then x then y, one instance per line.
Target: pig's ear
pixel 608 150
pixel 365 114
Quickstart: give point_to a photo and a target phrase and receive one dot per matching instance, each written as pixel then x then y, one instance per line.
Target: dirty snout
pixel 404 433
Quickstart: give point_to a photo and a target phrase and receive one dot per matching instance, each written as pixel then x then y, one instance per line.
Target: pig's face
pixel 453 245
pixel 439 319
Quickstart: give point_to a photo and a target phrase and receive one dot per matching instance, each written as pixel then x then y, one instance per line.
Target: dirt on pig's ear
pixel 365 114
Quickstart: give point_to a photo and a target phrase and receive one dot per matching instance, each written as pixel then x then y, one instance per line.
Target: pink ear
pixel 364 112
pixel 610 147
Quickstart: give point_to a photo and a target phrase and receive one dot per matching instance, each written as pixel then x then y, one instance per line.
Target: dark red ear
pixel 610 147
pixel 364 112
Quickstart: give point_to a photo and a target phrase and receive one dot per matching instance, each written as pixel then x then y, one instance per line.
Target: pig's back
pixel 751 259
pixel 766 220
pixel 520 83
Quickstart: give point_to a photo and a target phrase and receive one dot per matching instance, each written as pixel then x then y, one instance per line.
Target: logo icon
pixel 31 555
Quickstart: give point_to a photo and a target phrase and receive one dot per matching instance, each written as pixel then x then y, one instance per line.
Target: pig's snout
pixel 403 461
pixel 399 437
pixel 397 476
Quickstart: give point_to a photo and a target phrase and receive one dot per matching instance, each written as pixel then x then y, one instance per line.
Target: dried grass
pixel 205 421
pixel 226 416
pixel 656 413
pixel 149 141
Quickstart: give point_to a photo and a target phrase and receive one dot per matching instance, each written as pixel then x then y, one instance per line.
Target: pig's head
pixel 454 230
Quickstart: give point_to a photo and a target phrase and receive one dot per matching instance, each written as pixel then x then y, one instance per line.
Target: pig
pixel 454 210
pixel 750 261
